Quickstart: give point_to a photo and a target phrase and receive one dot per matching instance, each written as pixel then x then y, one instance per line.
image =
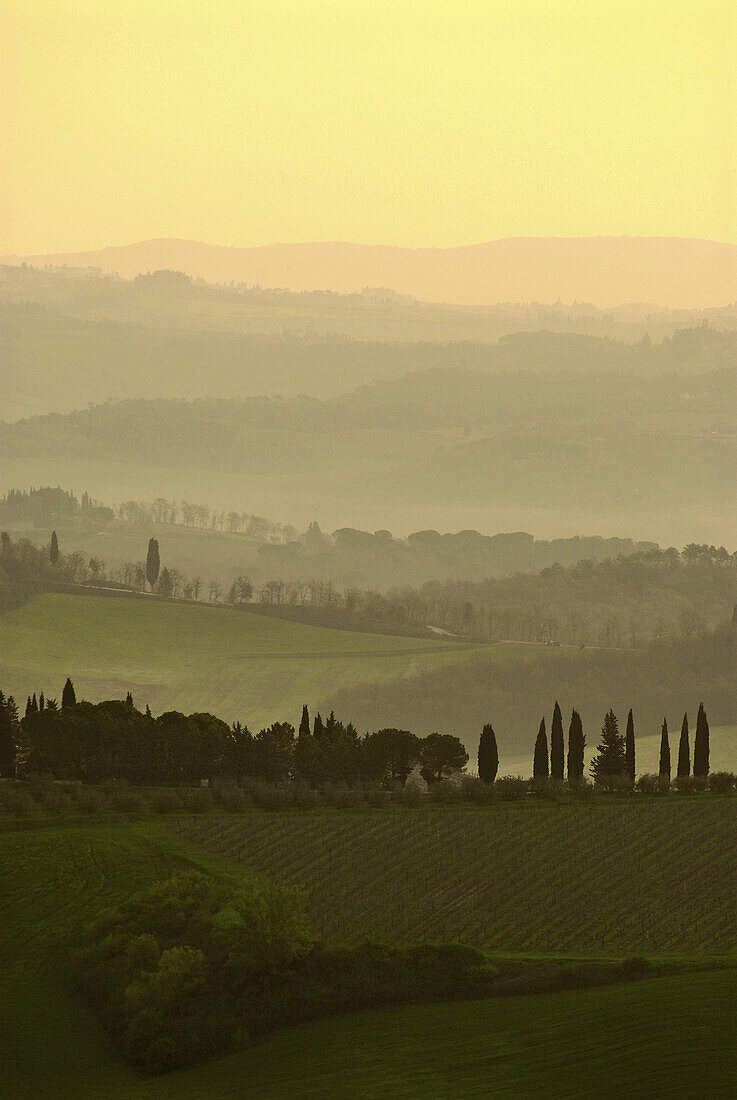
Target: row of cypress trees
pixel 700 748
pixel 68 699
pixel 615 753
pixel 557 764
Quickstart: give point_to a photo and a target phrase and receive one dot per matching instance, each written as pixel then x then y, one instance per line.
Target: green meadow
pixel 235 664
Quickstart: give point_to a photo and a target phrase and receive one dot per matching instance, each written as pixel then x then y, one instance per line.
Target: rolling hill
pixel 668 271
pixel 237 665
pixel 553 1046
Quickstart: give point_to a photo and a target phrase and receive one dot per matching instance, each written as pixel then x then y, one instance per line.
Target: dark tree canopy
pixel 684 751
pixel 54 549
pixel 701 744
pixel 152 562
pixel 664 766
pixel 488 755
pixel 304 725
pixel 576 747
pixel 610 762
pixel 440 754
pixel 9 732
pixel 318 729
pixel 557 745
pixel 629 746
pixel 68 695
pixel 391 754
pixel 540 763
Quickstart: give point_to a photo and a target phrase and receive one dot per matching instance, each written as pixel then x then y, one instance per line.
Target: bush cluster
pixel 190 967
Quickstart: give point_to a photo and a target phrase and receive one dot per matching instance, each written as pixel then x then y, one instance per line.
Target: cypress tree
pixel 304 725
pixel 41 701
pixel 629 746
pixel 701 744
pixel 68 695
pixel 34 704
pixel 557 744
pixel 540 767
pixel 664 767
pixel 9 729
pixel 576 746
pixel 318 730
pixel 54 549
pixel 684 754
pixel 610 761
pixel 488 755
pixel 29 708
pixel 152 562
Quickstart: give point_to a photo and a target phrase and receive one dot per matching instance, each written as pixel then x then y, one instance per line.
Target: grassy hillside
pixel 611 879
pixel 237 665
pixel 665 678
pixel 652 1038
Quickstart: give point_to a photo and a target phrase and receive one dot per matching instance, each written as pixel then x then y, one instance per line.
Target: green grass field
pixel 238 665
pixel 660 1037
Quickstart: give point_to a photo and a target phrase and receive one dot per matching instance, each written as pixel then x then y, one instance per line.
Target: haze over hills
pixel 665 271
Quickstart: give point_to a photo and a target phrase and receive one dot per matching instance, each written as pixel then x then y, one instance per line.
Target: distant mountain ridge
pixel 675 272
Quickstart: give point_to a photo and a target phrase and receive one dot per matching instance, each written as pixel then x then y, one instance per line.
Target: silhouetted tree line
pixel 113 739
pixel 614 765
pixel 47 506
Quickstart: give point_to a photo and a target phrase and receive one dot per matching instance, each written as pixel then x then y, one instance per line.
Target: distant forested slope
pixel 635 441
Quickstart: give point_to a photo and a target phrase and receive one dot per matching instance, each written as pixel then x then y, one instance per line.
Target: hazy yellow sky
pixel 407 122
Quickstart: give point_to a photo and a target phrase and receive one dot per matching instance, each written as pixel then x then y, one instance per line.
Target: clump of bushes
pixel 341 796
pixel 166 801
pixel 721 782
pixel 653 784
pixel 378 797
pixel 127 801
pixel 446 791
pixel 197 801
pixel 190 968
pixel 92 800
pixel 690 784
pixel 475 790
pixel 167 969
pixel 511 787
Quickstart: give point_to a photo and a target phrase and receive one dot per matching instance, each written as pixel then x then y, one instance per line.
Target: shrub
pixel 172 967
pixel 581 789
pixel 196 800
pixel 16 802
pixel 378 797
pixel 55 800
pixel 92 800
pixel 475 790
pixel 235 800
pixel 341 796
pixel 553 789
pixel 305 798
pixel 635 967
pixel 511 787
pixel 721 782
pixel 653 784
pixel 223 789
pixel 270 796
pixel 690 784
pixel 446 792
pixel 127 801
pixel 166 802
pixel 409 796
